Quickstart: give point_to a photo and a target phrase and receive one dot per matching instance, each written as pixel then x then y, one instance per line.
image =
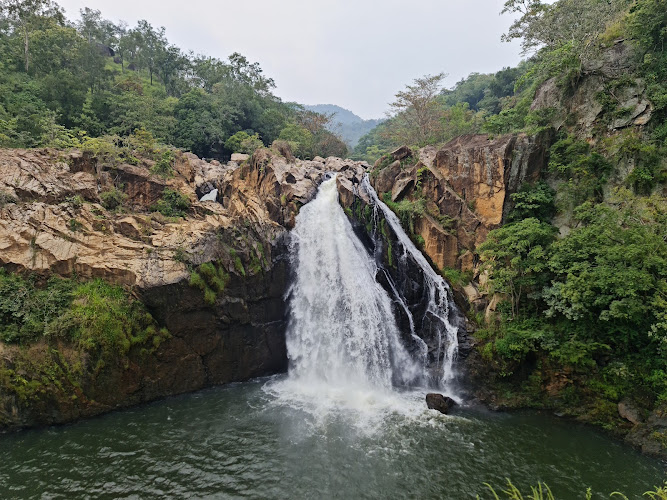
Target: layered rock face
pixel 58 225
pixel 461 192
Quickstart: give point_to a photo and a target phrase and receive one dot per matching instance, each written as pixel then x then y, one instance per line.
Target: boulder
pixel 239 157
pixel 629 412
pixel 436 401
pixel 402 153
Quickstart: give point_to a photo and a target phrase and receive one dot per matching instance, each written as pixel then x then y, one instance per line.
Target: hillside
pixel 345 123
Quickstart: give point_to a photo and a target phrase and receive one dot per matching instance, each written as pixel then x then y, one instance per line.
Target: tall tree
pixel 417 112
pixel 90 24
pixel 25 16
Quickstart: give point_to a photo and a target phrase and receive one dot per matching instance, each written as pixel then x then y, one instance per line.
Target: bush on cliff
pixel 172 204
pixel 94 315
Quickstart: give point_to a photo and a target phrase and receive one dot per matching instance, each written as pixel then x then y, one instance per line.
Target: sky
pixel 353 53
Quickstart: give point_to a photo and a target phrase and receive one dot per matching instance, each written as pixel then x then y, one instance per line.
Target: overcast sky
pixel 353 53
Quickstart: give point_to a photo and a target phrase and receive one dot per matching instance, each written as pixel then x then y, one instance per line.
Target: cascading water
pixel 436 318
pixel 344 346
pixel 341 321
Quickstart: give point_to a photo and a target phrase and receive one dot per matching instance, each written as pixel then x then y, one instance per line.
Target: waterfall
pixel 436 319
pixel 344 345
pixel 342 328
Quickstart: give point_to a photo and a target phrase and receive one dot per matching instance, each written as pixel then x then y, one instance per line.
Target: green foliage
pixel 242 142
pixel 596 294
pixel 517 256
pixel 585 170
pixel 457 277
pixel 539 492
pixel 408 211
pixel 75 201
pixel 164 166
pixel 26 309
pixel 172 204
pixel 543 492
pixel 102 318
pixel 95 315
pixel 210 278
pixel 299 139
pixel 74 225
pixel 58 89
pixel 112 199
pixel 535 201
pixel 610 272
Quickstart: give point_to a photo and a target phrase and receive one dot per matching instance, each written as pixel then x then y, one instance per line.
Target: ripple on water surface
pixel 250 441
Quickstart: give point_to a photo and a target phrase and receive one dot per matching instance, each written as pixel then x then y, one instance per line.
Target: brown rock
pixel 240 157
pixel 439 402
pixel 402 153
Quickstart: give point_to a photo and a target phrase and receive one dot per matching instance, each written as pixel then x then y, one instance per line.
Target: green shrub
pixel 75 201
pixel 172 204
pixel 242 142
pixel 112 199
pixel 408 211
pixel 164 166
pixel 96 315
pixel 211 279
pixel 74 225
pixel 457 277
pixel 102 317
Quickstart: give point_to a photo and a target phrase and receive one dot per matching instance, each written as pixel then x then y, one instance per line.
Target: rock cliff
pixel 56 222
pixel 452 197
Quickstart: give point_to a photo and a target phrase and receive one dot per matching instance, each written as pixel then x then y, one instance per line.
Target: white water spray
pixel 342 327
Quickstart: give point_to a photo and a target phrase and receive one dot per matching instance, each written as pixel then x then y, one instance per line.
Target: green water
pixel 243 441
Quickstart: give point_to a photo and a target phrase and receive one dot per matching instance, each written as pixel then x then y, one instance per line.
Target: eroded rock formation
pixel 58 224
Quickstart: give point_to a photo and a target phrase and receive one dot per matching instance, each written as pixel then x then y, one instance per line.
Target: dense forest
pixel 94 84
pixel 580 264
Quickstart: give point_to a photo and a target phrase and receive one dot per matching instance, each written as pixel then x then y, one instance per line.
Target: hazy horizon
pixel 352 54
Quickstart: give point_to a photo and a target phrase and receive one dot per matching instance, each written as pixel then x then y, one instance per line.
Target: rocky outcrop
pixel 461 192
pixel 58 224
pixel 650 434
pixel 583 107
pixel 438 402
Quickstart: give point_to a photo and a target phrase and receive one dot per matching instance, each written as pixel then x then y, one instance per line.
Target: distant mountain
pixel 345 123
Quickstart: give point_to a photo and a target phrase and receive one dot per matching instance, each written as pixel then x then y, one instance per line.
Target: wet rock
pixel 439 402
pixel 629 412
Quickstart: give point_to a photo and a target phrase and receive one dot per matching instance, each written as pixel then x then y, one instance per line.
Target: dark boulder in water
pixel 439 402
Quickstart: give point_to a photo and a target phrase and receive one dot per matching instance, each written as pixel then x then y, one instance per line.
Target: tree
pixel 26 14
pixel 90 24
pixel 517 257
pixel 242 142
pixel 417 112
pixel 152 44
pixel 575 22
